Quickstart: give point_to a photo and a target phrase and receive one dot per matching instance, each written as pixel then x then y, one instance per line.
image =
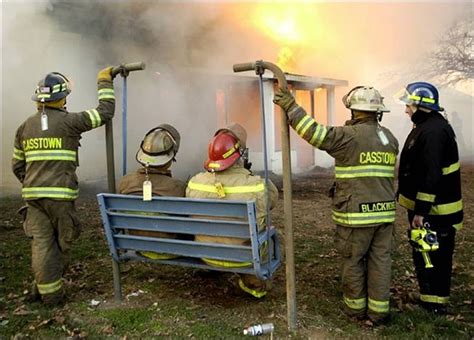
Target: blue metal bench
pixel 223 218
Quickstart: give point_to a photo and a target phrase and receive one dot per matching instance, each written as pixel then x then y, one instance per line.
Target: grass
pixel 179 302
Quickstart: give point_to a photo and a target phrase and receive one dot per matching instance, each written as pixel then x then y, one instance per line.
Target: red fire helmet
pixel 223 151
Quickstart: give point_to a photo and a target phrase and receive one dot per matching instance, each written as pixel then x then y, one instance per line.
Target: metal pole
pixel 124 127
pixel 288 211
pixel 109 145
pixel 268 220
pixel 287 191
pixel 117 281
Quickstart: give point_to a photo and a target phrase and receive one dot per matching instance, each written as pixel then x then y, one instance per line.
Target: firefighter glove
pixel 284 99
pixel 105 74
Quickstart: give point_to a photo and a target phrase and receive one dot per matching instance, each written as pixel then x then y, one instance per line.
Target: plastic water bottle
pixel 260 329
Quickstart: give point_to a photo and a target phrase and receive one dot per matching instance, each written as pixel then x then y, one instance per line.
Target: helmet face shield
pixel 237 130
pixel 403 97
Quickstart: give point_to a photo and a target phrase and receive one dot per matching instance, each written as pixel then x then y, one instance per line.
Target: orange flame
pixel 292 27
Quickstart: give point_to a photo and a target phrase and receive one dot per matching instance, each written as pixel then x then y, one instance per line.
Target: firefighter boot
pixel 34 295
pixel 54 299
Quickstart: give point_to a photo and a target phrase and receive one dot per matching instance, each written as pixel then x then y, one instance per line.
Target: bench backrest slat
pixel 190 249
pixel 184 225
pixel 179 206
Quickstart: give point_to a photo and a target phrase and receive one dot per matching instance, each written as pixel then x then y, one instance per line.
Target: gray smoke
pixel 188 47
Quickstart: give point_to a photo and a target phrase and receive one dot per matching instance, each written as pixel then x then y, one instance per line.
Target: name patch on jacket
pixel 42 143
pixel 377 206
pixel 377 157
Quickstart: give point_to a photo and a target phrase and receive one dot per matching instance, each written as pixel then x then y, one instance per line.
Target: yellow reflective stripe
pixel 450 169
pixel 18 154
pixel 364 218
pixel 94 118
pixel 446 209
pixel 50 155
pixel 257 293
pixel 457 226
pixel 227 189
pixel 425 197
pixel 440 209
pixel 231 151
pixel 50 192
pixel 319 135
pixel 157 256
pixel 56 88
pixel 226 264
pixel 406 202
pixel 355 303
pixel 49 288
pixel 44 95
pixel 434 299
pixel 379 306
pixel 307 126
pixel 423 99
pixel 301 124
pixel 106 93
pixel 365 171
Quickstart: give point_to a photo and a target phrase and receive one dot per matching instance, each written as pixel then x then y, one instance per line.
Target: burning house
pixel 238 100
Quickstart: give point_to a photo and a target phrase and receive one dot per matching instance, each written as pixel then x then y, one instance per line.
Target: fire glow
pixel 291 27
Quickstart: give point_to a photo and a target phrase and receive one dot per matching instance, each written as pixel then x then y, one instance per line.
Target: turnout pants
pixel 435 283
pixel 53 226
pixel 366 269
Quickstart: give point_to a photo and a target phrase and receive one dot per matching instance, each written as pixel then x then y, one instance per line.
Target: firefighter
pixel 227 178
pixel 363 195
pixel 45 158
pixel 156 154
pixel 430 189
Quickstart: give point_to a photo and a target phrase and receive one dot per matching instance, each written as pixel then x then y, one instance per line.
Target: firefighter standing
pixel 156 154
pixel 430 189
pixel 227 178
pixel 363 195
pixel 45 158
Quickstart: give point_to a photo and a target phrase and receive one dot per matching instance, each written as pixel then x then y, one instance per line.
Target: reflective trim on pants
pixel 256 293
pixel 434 299
pixel 157 256
pixel 50 288
pixel 360 303
pixel 379 306
pixel 226 264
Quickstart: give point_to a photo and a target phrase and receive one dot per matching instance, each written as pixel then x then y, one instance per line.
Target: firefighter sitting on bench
pixel 228 178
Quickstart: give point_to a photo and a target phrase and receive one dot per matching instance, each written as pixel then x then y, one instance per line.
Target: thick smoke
pixel 188 46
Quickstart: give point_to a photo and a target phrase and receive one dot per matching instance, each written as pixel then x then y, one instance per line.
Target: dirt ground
pixel 178 302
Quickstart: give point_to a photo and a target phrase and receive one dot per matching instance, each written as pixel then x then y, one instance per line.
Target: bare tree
pixel 453 59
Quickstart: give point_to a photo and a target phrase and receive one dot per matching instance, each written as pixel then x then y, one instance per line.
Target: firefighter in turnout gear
pixel 156 154
pixel 363 195
pixel 227 178
pixel 45 158
pixel 430 189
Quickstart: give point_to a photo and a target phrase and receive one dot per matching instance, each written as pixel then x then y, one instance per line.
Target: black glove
pixel 285 100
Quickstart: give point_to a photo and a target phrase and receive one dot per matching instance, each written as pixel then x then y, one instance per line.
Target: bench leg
pixel 117 281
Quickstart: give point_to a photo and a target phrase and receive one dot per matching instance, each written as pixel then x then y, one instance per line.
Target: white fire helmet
pixel 364 98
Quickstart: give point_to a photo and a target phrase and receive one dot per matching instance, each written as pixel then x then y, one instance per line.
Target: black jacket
pixel 429 174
